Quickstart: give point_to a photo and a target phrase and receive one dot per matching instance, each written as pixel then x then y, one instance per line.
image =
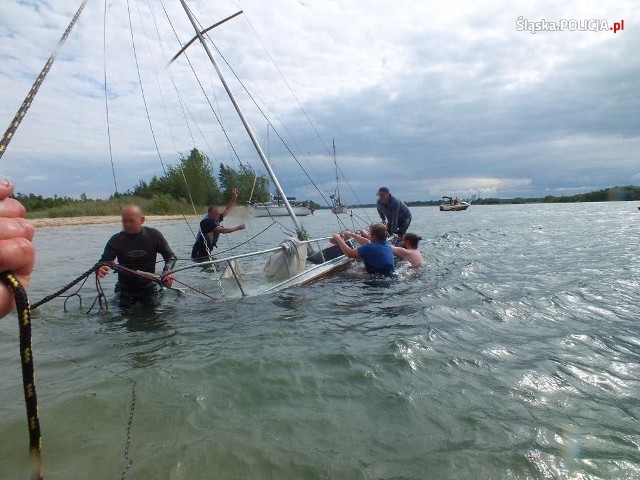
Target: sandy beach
pixel 97 220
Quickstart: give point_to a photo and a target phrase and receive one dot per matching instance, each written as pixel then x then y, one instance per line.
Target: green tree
pixel 246 179
pixel 193 175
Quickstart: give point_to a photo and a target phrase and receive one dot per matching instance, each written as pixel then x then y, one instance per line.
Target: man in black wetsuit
pixel 211 228
pixel 394 212
pixel 136 247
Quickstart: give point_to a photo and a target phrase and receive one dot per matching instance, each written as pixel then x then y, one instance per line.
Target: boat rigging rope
pixel 293 155
pixel 326 147
pixel 75 281
pixel 146 108
pixel 106 102
pixel 19 293
pixel 166 113
pixel 224 130
pixel 28 374
pixel 17 119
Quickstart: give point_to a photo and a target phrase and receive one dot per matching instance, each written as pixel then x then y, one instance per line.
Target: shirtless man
pixel 408 250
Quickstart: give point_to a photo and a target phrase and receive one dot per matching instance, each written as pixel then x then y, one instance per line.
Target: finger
pixel 15 228
pixel 7 303
pixel 6 188
pixel 17 255
pixel 11 208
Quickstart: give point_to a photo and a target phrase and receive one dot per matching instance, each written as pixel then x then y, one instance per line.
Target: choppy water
pixel 514 354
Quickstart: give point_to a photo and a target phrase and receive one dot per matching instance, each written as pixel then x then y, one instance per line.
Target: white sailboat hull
pixel 338 209
pixel 267 210
pixel 312 274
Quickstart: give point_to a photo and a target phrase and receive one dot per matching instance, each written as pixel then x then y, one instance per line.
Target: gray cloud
pixel 429 99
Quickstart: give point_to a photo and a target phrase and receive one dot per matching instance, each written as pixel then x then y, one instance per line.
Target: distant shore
pixel 94 220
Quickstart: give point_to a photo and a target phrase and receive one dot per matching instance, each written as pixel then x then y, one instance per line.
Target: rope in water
pixel 77 280
pixel 28 375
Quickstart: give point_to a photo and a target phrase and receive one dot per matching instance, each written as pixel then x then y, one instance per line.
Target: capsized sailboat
pixel 287 264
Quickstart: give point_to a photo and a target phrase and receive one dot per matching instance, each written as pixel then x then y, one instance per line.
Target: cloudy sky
pixel 428 98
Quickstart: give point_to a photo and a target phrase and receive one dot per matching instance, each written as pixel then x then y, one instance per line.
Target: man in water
pixel 16 250
pixel 376 252
pixel 393 212
pixel 408 250
pixel 136 248
pixel 211 228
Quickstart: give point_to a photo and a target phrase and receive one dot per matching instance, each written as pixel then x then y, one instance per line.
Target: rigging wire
pixel 302 108
pixel 226 134
pixel 106 103
pixel 164 106
pixel 251 96
pixel 146 107
pixel 209 102
pixel 273 127
pixel 257 92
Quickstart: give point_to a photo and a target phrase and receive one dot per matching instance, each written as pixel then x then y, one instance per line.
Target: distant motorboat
pixel 454 205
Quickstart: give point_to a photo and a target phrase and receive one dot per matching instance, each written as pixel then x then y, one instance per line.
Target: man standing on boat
pixel 393 212
pixel 211 228
pixel 136 248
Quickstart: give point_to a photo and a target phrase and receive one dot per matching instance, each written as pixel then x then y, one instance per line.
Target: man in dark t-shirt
pixel 136 248
pixel 393 212
pixel 211 228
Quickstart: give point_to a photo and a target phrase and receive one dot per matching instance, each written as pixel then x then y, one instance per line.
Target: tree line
pixel 612 194
pixel 192 179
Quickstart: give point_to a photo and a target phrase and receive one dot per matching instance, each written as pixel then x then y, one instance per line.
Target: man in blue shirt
pixel 376 253
pixel 211 228
pixel 394 212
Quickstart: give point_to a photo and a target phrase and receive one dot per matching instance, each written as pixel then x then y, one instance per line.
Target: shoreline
pixel 96 220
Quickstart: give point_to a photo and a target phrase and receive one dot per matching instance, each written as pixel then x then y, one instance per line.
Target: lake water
pixel 515 353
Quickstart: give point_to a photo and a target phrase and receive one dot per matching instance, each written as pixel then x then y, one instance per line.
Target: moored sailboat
pixel 337 207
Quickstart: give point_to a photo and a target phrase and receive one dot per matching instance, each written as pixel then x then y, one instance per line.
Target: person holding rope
pixel 211 228
pixel 136 248
pixel 16 250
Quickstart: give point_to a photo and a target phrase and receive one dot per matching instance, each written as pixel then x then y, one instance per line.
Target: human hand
pixel 241 226
pixel 167 280
pixel 16 250
pixel 102 271
pixel 235 192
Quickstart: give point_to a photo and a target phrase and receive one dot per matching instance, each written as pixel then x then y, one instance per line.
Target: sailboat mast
pixel 335 160
pixel 247 127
